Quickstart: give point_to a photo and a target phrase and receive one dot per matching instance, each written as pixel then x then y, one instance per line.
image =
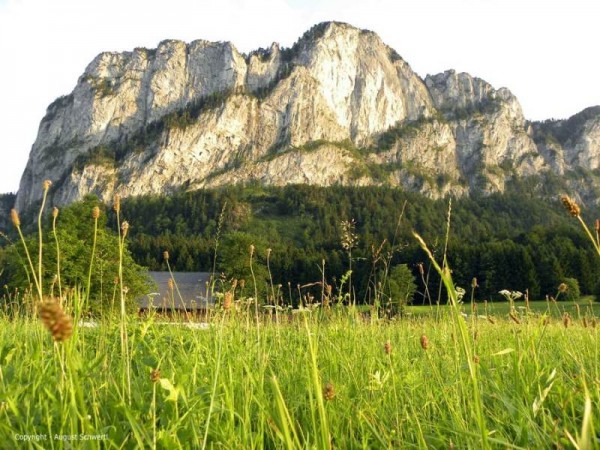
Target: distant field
pixel 587 306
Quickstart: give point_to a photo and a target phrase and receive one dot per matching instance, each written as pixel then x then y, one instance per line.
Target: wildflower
pixel 349 237
pixel 570 205
pixel 56 321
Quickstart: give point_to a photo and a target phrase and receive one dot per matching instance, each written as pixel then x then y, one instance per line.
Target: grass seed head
pixel 387 347
pixel 562 288
pixel 328 392
pixel 117 203
pixel 514 317
pixel 46 184
pixel 476 359
pixel 56 321
pixel 227 300
pixel 125 228
pixel 155 375
pixel 95 213
pixel 570 205
pixel 166 255
pixel 424 342
pixel 55 212
pixel 171 284
pixel 14 216
pixel 566 320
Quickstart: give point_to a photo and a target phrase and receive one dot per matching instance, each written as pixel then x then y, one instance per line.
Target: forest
pixel 504 241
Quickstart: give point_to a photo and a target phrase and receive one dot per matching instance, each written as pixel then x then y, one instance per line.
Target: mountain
pixel 338 107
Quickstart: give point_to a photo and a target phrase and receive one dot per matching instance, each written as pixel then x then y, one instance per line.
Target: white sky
pixel 545 52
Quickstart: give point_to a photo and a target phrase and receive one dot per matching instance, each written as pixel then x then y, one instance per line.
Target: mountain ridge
pixel 338 107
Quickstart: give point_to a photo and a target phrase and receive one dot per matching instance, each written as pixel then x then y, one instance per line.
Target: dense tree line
pixel 507 241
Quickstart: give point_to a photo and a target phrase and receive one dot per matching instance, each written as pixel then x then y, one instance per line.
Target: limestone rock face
pixel 339 107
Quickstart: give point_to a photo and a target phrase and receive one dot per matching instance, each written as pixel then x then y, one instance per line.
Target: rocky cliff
pixel 339 107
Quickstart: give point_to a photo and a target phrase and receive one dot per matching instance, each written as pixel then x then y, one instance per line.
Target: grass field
pixel 522 375
pixel 326 380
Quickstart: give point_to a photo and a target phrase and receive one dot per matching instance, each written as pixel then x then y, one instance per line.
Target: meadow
pixel 514 374
pixel 327 379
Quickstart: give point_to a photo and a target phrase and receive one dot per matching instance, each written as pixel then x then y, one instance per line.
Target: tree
pixel 75 236
pixel 398 289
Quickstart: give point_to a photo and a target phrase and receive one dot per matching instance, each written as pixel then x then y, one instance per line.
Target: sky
pixel 545 52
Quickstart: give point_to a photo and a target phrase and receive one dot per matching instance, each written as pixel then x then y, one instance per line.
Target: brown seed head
pixel 251 250
pixel 562 288
pixel 570 205
pixel 55 212
pixel 166 255
pixel 566 320
pixel 56 321
pixel 491 320
pixel 328 392
pixel 242 283
pixel 585 322
pixel 227 300
pixel 387 347
pixel 95 213
pixel 46 184
pixel 117 203
pixel 474 283
pixel 476 359
pixel 155 375
pixel 421 269
pixel 125 228
pixel 514 317
pixel 14 216
pixel 171 284
pixel 424 342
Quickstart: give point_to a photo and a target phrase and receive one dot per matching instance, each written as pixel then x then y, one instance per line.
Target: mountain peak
pixel 339 107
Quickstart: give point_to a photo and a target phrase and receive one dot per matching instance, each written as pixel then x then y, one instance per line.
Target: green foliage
pixel 236 263
pixel 572 292
pixel 399 288
pixel 75 233
pixel 491 237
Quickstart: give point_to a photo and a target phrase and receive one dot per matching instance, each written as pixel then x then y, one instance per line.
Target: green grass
pixel 233 387
pixel 587 306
